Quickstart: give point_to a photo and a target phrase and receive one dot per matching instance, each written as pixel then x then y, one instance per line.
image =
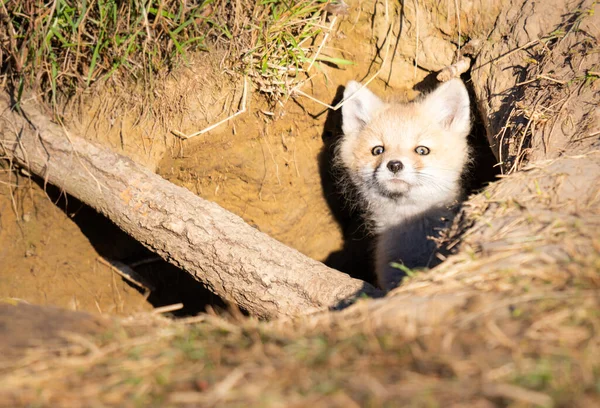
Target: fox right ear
pixel 449 105
pixel 359 110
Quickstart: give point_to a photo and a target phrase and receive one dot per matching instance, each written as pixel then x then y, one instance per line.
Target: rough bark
pixel 234 260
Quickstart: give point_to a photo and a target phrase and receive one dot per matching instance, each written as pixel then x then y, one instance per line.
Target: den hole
pixel 170 284
pixel 355 258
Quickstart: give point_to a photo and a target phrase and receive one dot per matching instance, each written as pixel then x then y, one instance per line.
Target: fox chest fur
pixel 405 162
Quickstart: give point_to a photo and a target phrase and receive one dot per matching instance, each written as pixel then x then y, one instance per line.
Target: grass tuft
pixel 63 47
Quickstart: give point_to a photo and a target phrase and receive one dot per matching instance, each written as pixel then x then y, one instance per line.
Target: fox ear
pixel 449 104
pixel 359 110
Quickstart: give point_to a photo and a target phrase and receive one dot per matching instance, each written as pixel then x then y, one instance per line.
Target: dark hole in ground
pixel 356 256
pixel 171 284
pixel 483 169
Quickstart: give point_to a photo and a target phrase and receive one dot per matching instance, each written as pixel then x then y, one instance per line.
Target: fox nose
pixel 395 166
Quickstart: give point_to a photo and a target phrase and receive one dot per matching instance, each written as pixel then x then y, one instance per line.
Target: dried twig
pixel 538 77
pixel 333 21
pixel 127 273
pixel 167 309
pixel 455 70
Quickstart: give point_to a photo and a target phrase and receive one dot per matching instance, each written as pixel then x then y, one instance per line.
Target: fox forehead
pixel 401 127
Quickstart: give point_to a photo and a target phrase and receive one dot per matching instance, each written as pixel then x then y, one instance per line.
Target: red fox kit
pixel 405 162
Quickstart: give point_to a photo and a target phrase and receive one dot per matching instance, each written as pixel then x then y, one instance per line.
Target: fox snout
pixel 395 166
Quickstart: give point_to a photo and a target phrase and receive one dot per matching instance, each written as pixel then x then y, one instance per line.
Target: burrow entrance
pixel 272 166
pixel 277 173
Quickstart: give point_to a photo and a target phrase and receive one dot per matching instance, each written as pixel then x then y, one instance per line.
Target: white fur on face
pixel 439 122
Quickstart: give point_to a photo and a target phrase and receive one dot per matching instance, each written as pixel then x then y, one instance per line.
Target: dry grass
pixel 536 353
pixel 556 69
pixel 63 49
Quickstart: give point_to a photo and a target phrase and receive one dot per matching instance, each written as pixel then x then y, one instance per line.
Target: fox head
pixel 406 154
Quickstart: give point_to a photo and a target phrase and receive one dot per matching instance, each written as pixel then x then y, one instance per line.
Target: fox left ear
pixel 359 108
pixel 449 103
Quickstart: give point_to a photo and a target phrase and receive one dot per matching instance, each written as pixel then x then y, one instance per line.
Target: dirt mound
pixel 487 352
pixel 510 319
pixel 26 327
pixel 537 76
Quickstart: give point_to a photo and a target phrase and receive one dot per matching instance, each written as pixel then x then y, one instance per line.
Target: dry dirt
pixel 533 238
pixel 48 259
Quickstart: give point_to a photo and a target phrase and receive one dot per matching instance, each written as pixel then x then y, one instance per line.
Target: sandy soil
pixel 48 259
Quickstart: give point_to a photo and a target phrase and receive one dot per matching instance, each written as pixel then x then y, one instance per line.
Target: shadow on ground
pixel 171 284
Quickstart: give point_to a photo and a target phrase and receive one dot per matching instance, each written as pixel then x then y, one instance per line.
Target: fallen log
pixel 234 260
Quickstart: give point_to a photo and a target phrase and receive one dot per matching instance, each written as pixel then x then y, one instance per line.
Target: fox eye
pixel 377 150
pixel 422 150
